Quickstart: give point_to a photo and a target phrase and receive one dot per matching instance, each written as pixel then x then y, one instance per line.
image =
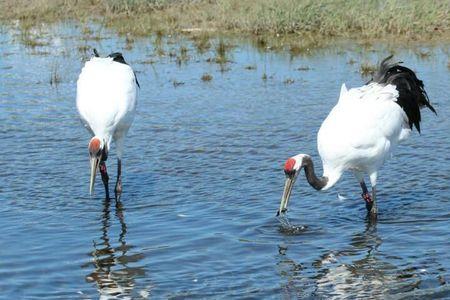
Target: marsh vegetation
pixel 299 24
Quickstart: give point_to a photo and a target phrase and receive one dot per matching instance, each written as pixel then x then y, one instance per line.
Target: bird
pixel 362 131
pixel 106 99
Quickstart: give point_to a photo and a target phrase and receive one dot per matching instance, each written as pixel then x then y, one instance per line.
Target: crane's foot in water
pixel 373 213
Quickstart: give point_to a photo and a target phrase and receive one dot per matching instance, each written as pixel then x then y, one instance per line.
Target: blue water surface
pixel 202 178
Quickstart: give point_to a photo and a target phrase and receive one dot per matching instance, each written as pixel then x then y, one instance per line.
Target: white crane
pixel 362 131
pixel 106 100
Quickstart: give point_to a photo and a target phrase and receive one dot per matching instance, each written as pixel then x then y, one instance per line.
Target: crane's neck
pixel 316 182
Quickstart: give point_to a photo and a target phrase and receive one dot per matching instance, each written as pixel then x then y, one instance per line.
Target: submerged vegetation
pixel 288 81
pixel 310 19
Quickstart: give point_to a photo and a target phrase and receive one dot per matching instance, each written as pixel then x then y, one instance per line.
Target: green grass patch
pixel 302 19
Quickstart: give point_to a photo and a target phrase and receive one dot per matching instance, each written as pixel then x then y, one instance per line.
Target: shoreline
pixel 298 24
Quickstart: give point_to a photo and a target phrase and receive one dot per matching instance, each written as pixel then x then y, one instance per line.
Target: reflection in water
pixel 297 284
pixel 112 274
pixel 366 275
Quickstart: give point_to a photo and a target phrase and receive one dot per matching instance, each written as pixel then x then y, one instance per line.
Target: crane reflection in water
pixel 360 270
pixel 115 271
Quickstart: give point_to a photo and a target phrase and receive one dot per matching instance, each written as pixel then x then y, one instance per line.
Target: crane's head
pixel 292 167
pixel 98 152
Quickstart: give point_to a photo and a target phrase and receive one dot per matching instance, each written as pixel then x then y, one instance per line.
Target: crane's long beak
pixel 288 185
pixel 94 166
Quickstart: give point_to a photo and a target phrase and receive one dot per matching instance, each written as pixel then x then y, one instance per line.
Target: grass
pixel 31 40
pixel 55 77
pixel 221 52
pixel 206 77
pixel 356 19
pixel 182 57
pixel 367 69
pixel 83 49
pixel 303 68
pixel 424 54
pixel 201 42
pixel 221 55
pixel 129 42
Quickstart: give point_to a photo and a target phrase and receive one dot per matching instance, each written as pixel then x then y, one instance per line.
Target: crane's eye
pixel 289 173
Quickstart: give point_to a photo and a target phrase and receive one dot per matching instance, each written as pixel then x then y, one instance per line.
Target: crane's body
pixel 106 101
pixel 362 131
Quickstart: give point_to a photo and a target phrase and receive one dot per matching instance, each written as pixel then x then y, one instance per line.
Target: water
pixel 202 181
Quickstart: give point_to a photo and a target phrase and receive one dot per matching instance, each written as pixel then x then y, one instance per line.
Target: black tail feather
pixel 118 57
pixel 412 95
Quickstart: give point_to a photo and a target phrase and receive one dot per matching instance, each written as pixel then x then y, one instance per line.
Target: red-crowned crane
pixel 362 131
pixel 106 100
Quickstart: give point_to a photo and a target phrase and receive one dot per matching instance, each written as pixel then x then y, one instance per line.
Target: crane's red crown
pixel 289 165
pixel 94 145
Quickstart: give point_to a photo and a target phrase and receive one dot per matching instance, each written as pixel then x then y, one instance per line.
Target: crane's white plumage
pixel 106 100
pixel 362 130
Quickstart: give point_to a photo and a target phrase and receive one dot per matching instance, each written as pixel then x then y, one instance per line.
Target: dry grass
pixel 201 42
pixel 367 69
pixel 182 57
pixel 412 20
pixel 221 52
pixel 303 68
pixel 31 40
pixel 206 77
pixel 55 77
pixel 424 54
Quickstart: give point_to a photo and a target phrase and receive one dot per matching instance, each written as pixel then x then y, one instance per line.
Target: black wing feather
pixel 412 95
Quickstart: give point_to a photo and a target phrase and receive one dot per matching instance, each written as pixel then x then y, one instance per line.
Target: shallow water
pixel 202 180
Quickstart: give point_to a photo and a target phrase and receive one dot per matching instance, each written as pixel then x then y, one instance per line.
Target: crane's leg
pixel 365 192
pixel 105 177
pixel 373 209
pixel 366 196
pixel 118 189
